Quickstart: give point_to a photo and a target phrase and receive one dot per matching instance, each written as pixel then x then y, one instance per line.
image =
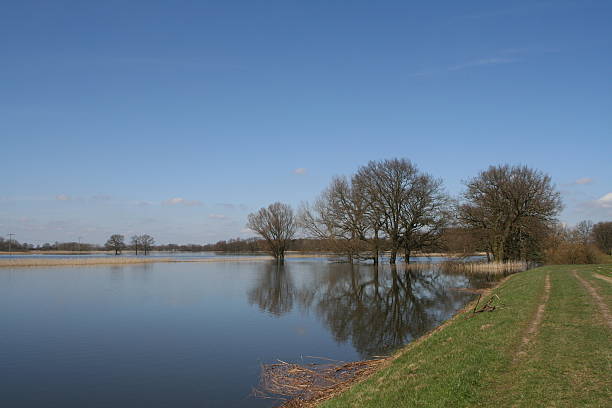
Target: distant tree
pixel 583 231
pixel 602 236
pixel 147 242
pixel 135 241
pixel 513 206
pixel 116 243
pixel 276 225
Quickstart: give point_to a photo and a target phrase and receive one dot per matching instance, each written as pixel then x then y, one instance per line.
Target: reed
pixel 494 268
pixel 33 262
pixel 109 260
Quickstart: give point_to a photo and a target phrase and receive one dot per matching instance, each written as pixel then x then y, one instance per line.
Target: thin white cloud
pixel 502 58
pixel 217 216
pixel 483 62
pixel 101 197
pixel 300 171
pixel 62 197
pixel 605 201
pixel 227 206
pixel 584 180
pixel 181 201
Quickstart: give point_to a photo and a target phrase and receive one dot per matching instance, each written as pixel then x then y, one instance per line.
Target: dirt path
pixel 536 322
pixel 603 308
pixel 598 276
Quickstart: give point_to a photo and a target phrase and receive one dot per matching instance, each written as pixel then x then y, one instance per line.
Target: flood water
pixel 195 334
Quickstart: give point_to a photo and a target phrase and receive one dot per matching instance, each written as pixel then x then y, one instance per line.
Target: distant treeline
pixel 581 244
pixel 455 240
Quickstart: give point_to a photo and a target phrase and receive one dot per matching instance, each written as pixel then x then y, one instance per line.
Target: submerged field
pixel 195 334
pixel 546 343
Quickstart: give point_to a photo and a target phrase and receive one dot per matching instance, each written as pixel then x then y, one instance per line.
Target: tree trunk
pixel 376 250
pixel 393 256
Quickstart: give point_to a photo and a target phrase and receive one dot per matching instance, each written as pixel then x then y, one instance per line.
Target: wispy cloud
pixel 605 201
pixel 507 56
pixel 300 171
pixel 513 11
pixel 62 197
pixel 217 216
pixel 584 180
pixel 482 62
pixel 101 197
pixel 181 201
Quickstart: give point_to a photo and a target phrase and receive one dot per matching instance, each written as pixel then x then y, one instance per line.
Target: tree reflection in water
pixel 274 290
pixel 376 308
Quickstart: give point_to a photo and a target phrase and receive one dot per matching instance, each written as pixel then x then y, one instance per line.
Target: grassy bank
pixel 547 343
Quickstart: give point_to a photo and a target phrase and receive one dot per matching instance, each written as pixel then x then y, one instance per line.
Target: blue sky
pixel 178 118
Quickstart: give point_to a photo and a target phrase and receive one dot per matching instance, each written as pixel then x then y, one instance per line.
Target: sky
pixel 178 118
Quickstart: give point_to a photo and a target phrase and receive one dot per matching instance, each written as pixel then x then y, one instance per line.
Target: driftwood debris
pixel 299 385
pixel 488 307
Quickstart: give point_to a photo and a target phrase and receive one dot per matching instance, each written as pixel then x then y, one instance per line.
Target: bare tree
pixel 425 215
pixel 408 206
pixel 276 225
pixel 147 242
pixel 387 184
pixel 602 235
pixel 116 243
pixel 339 217
pixel 513 206
pixel 583 231
pixel 135 241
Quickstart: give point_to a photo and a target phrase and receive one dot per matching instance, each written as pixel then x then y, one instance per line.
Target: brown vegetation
pixel 303 385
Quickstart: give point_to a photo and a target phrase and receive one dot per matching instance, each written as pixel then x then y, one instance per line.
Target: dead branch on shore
pixel 488 307
pixel 301 385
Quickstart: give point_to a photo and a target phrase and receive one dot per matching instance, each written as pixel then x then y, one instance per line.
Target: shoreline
pixel 385 362
pixel 512 354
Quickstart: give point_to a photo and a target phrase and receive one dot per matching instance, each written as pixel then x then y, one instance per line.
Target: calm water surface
pixel 195 334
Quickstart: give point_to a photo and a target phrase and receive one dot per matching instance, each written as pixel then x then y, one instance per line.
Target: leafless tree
pixel 339 217
pixel 602 236
pixel 409 207
pixel 147 242
pixel 116 243
pixel 425 215
pixel 135 241
pixel 276 225
pixel 583 231
pixel 512 205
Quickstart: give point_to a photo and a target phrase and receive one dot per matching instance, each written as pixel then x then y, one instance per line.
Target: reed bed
pixel 34 262
pixel 303 385
pixel 488 268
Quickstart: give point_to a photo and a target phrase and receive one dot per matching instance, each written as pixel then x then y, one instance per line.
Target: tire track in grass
pixel 536 322
pixel 603 307
pixel 605 278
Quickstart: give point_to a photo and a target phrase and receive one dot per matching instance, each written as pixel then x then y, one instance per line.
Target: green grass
pixel 473 361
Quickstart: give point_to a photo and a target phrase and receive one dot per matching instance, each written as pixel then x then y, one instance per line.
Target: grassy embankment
pixel 547 344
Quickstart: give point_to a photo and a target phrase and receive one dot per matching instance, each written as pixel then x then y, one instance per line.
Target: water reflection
pixel 375 308
pixel 274 291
